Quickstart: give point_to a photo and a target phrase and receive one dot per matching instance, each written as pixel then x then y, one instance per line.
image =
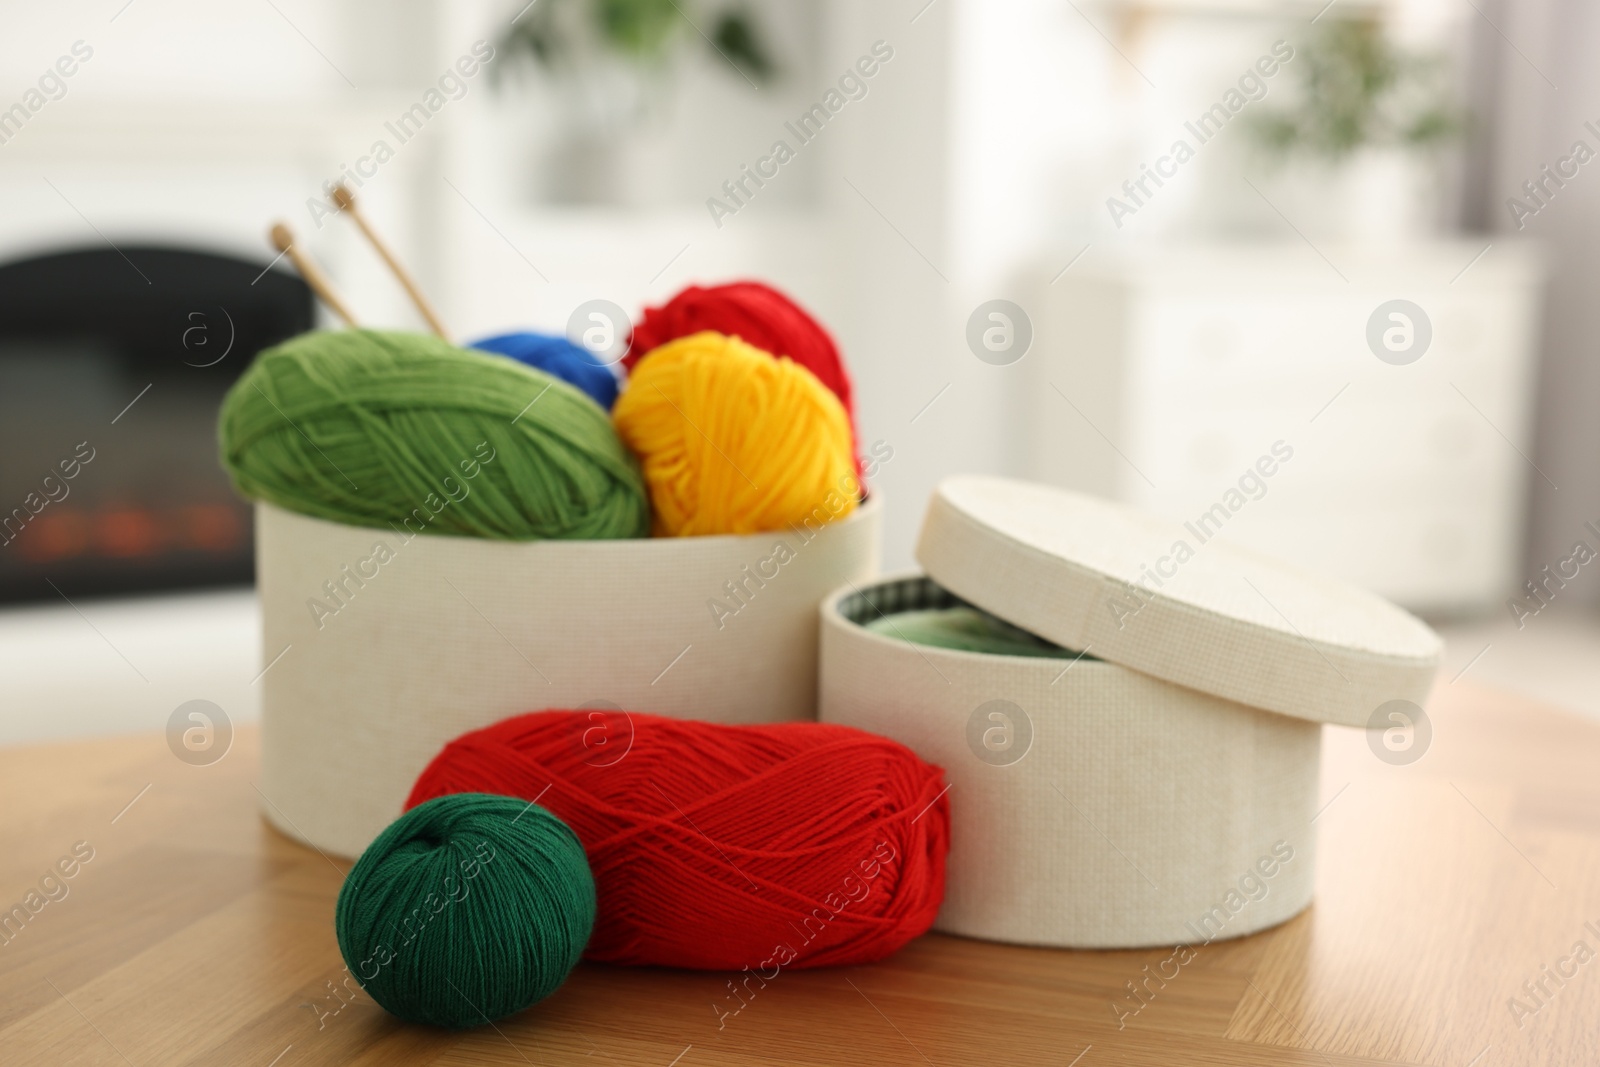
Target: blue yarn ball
pixel 556 355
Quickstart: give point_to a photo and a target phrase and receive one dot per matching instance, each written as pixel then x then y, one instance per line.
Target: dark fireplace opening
pixel 112 367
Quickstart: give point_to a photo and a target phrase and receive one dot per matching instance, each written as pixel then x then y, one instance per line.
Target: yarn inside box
pixel 924 614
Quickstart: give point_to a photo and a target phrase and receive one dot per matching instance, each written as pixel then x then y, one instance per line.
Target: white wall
pixel 980 160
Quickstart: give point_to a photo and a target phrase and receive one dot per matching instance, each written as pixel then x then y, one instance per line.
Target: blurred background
pixel 1124 247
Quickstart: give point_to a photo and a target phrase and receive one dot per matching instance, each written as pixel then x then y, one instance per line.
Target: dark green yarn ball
pixel 467 909
pixel 404 430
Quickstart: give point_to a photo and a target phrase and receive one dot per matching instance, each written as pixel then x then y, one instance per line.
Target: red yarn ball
pixel 757 314
pixel 726 847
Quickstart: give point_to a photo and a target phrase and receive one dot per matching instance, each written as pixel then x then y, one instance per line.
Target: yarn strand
pixel 465 910
pixel 717 847
pixel 371 428
pixel 734 441
pixel 760 316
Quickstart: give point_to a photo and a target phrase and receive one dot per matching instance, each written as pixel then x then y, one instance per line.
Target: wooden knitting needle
pixel 283 241
pixel 346 200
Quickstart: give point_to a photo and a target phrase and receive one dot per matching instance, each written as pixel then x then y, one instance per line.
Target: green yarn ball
pixel 467 909
pixel 965 630
pixel 403 430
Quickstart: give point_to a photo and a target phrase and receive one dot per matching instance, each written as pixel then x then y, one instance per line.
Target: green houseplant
pixel 1357 89
pixel 604 65
pixel 557 33
pixel 1356 149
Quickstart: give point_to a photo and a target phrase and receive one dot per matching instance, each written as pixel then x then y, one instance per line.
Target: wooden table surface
pixel 198 935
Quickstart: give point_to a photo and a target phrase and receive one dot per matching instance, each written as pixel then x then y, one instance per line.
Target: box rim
pixel 861 513
pixel 834 618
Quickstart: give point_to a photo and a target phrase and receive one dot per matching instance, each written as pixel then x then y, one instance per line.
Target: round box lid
pixel 1168 600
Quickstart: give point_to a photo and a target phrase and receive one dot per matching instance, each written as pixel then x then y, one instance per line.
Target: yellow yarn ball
pixel 732 440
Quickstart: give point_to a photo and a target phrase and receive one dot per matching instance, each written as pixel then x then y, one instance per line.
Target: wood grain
pixel 198 935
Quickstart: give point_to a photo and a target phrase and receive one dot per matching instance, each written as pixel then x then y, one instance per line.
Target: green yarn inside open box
pixel 919 611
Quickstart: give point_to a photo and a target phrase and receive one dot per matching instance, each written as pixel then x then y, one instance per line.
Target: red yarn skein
pixel 757 314
pixel 726 847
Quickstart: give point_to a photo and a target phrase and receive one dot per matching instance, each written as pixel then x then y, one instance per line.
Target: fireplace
pixel 112 366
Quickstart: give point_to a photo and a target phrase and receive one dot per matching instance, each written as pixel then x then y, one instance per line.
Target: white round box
pixel 1095 805
pixel 377 658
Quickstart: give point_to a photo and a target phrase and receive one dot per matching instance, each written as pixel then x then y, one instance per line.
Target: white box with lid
pixel 1160 788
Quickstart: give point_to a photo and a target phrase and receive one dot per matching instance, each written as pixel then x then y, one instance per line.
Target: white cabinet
pixel 1161 376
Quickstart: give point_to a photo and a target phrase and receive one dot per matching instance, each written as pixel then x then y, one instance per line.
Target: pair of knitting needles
pixel 284 241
